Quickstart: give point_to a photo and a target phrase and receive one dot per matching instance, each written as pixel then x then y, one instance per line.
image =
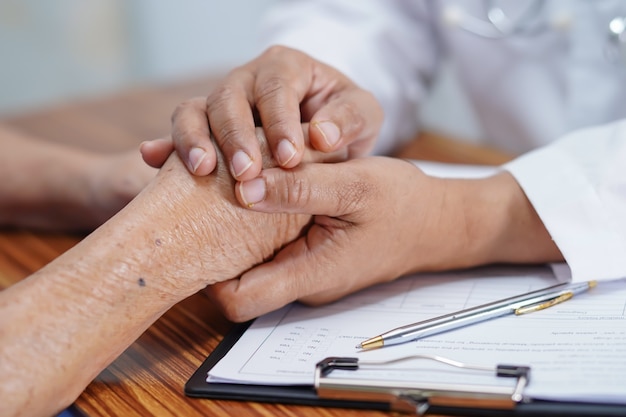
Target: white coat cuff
pixel 573 213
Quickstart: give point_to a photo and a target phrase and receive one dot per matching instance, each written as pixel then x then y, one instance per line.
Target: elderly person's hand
pixel 62 325
pixel 278 90
pixel 214 221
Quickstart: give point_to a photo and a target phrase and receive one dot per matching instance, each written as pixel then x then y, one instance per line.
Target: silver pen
pixel 519 304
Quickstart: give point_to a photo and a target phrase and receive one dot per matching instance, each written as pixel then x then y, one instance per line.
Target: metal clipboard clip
pixel 416 397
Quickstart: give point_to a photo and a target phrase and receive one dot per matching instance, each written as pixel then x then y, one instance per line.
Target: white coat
pixel 559 71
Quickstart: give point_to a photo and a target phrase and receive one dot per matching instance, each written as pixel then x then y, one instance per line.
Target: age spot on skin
pixel 141 282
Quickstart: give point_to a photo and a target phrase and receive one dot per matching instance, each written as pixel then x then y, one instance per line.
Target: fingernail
pixel 330 131
pixel 252 192
pixel 286 152
pixel 196 156
pixel 241 163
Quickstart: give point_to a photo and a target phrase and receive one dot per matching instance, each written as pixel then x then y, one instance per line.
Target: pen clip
pixel 543 304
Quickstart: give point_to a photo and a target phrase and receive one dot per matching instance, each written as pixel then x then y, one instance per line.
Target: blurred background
pixel 54 52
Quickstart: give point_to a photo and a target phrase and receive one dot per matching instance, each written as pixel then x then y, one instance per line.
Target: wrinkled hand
pixel 204 236
pixel 279 90
pixel 208 207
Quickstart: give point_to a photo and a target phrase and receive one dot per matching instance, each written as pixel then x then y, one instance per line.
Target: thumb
pixel 331 190
pixel 155 152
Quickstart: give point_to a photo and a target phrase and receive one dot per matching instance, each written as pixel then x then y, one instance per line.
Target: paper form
pixel 446 170
pixel 577 350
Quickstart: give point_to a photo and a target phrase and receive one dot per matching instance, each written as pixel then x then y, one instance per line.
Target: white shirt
pixel 579 192
pixel 526 90
pixel 561 73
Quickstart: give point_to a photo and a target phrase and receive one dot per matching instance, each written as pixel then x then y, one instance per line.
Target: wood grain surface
pixel 148 378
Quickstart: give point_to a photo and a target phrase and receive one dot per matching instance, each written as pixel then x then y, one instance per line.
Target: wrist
pixel 151 240
pixel 502 225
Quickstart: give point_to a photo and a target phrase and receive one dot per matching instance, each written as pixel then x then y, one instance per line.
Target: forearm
pixel 59 331
pixel 72 318
pixel 51 186
pixel 41 180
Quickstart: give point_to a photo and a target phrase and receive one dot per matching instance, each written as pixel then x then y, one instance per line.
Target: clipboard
pixel 198 387
pixel 371 396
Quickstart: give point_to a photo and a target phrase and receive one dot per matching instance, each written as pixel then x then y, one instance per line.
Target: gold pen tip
pixel 373 343
pixel 593 283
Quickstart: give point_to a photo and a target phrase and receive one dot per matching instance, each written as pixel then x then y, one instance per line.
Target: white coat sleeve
pixel 578 187
pixel 386 47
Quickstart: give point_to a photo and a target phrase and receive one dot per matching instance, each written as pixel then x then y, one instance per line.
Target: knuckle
pixel 277 125
pixel 226 131
pixel 286 190
pixel 354 114
pixel 186 137
pixel 221 96
pixel 276 51
pixel 182 108
pixel 228 134
pixel 352 110
pixel 294 191
pixel 270 88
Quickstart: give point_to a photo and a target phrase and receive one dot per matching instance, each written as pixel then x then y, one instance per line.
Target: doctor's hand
pixel 375 220
pixel 278 90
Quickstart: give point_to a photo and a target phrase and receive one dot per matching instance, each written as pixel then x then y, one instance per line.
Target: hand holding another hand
pixel 279 90
pixel 376 219
pixel 368 213
pixel 207 207
pixel 180 234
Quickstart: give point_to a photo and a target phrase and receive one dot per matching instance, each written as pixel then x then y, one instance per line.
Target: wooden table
pixel 148 378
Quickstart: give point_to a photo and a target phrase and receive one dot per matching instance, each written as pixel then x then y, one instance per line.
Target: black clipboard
pixel 198 387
